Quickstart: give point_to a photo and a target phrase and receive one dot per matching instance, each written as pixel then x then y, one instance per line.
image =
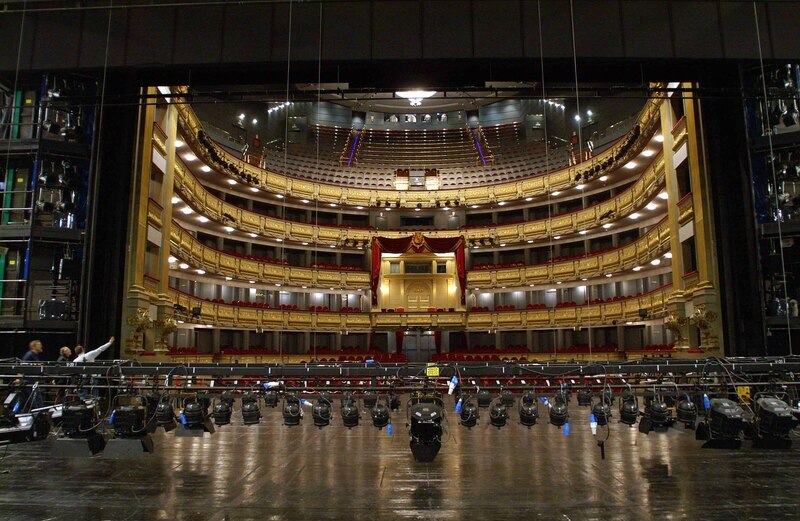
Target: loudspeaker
pixel 53 310
pixel 69 269
pixel 642 313
pixel 196 312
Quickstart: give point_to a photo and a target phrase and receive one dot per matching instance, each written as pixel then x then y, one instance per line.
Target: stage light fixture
pixel 528 410
pixel 128 421
pixel 194 414
pixel 165 414
pixel 271 398
pixel 656 416
pixel 507 398
pixel 725 421
pixel 370 400
pixel 498 414
pixel 774 417
pixel 686 412
pixel 78 419
pixel 380 415
pixel 292 412
pixel 629 409
pixel 321 412
pixel 584 398
pixel 559 412
pixel 602 413
pixel 484 398
pixel 425 426
pixel 469 413
pixel 251 412
pixel 222 410
pixel 350 413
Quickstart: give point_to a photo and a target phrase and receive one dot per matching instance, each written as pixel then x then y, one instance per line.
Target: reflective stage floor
pixel 271 472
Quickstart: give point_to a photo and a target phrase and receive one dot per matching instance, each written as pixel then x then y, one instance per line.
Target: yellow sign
pixel 432 370
pixel 744 394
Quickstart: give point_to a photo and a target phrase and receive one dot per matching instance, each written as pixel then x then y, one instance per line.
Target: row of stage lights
pixel 723 421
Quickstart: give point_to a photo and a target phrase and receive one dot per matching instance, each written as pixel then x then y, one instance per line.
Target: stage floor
pixel 271 472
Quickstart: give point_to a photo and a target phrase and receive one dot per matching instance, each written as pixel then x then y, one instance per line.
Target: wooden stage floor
pixel 271 472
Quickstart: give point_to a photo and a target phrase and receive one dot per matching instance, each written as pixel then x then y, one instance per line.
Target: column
pixel 137 301
pixel 676 321
pixel 706 315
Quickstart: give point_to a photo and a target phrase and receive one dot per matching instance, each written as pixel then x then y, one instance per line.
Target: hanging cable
pixel 774 177
pixel 316 171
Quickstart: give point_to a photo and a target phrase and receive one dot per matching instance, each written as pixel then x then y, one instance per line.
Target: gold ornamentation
pixel 140 321
pixel 166 327
pixel 703 318
pixel 675 325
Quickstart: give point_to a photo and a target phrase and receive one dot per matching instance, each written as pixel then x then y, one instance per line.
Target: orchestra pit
pixel 408 259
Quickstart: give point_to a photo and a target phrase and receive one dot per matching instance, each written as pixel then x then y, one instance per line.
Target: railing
pixel 530 187
pixel 649 246
pixel 630 200
pixel 226 315
pixel 185 247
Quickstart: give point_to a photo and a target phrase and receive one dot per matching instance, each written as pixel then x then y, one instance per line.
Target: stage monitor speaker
pixel 53 310
pixel 69 269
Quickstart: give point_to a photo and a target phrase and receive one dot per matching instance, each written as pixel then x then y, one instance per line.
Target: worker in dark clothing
pixel 35 395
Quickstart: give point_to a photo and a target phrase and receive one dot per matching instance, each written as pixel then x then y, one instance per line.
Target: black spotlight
pixel 484 398
pixel 629 409
pixel 686 412
pixel 222 413
pixel 585 398
pixel 656 416
pixel 291 410
pixel 380 415
pixel 726 420
pixel 425 426
pixel 128 420
pixel 350 414
pixel 369 399
pixel 321 412
pixel 165 414
pixel 271 398
pixel 498 414
pixel 78 420
pixel 469 413
pixel 528 410
pixel 774 417
pixel 558 410
pixel 193 415
pixel 251 412
pixel 507 399
pixel 602 413
pixel 394 402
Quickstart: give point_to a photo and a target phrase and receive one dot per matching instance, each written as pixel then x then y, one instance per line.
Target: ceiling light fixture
pixel 190 157
pixel 203 219
pixel 415 97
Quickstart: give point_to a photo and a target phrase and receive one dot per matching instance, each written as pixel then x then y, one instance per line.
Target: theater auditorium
pixel 407 259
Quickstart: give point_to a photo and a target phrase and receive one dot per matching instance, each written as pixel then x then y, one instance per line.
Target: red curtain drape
pixel 418 243
pixel 398 342
pixel 437 339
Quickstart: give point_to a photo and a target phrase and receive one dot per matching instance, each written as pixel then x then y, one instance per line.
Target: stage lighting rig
pixel 321 412
pixel 128 419
pixel 559 412
pixel 165 414
pixel 484 398
pixel 724 422
pixel 369 399
pixel 350 412
pixel 469 413
pixel 528 410
pixel 79 421
pixel 292 410
pixel 194 417
pixel 602 413
pixel 381 415
pixel 251 412
pixel 656 416
pixel 628 409
pixel 223 409
pixel 585 398
pixel 686 412
pixel 425 413
pixel 507 399
pixel 271 398
pixel 498 413
pixel 774 419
